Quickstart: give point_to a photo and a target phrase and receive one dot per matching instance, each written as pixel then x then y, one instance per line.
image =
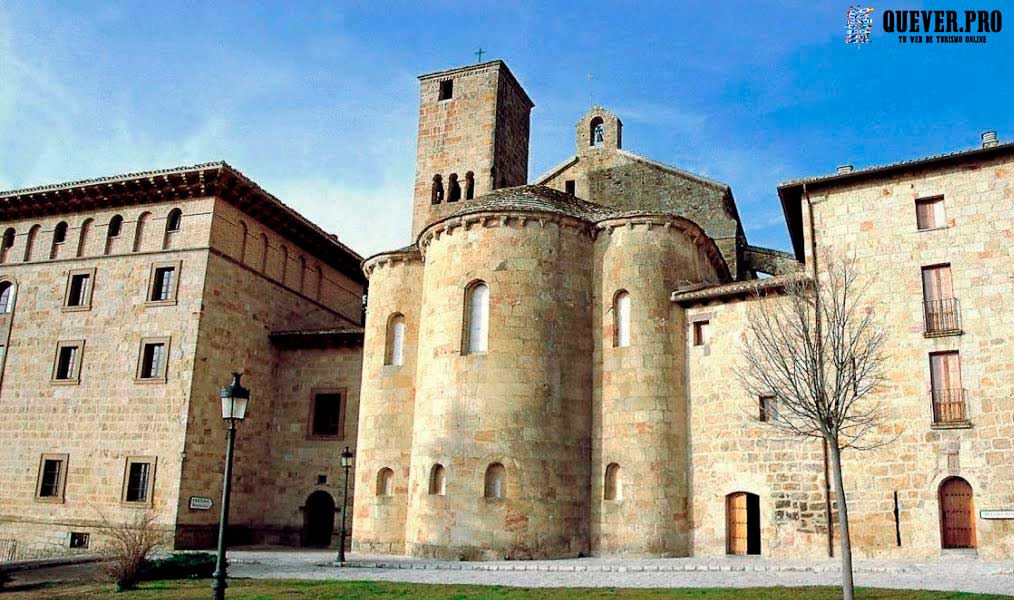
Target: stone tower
pixel 473 138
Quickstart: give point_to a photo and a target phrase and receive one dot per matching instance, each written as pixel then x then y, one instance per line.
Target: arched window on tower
pixel 113 232
pixel 6 297
pixel 82 239
pixel 437 193
pixel 285 264
pixel 173 221
pixel 320 283
pixel 476 326
pixel 242 241
pixel 495 486
pixel 621 319
pixel 385 482
pixel 393 352
pixel 597 133
pixel 302 274
pixel 453 189
pixel 613 488
pixel 30 241
pixel 59 237
pixel 6 244
pixel 469 185
pixel 264 253
pixel 438 480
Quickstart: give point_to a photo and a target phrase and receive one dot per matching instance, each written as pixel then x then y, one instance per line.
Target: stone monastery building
pixel 545 371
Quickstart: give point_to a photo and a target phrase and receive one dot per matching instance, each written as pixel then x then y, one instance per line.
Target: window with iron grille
pixel 946 390
pixel 940 307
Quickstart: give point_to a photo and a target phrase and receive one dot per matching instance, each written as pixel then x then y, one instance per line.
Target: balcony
pixel 949 407
pixel 942 317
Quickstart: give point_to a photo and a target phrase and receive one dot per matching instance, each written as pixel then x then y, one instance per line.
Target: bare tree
pixel 127 546
pixel 817 354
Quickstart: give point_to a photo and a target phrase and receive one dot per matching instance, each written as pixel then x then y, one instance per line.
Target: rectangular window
pixel 768 408
pixel 52 477
pixel 929 213
pixel 569 186
pixel 79 290
pixel 945 387
pixel 940 307
pixel 446 90
pixel 163 283
pixel 327 414
pixel 138 479
pixel 67 367
pixel 152 359
pixel 702 333
pixel 78 540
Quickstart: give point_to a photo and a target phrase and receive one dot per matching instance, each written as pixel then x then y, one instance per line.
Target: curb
pixel 42 563
pixel 677 568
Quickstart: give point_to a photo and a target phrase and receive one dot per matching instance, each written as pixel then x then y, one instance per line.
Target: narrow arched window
pixel 438 480
pixel 285 262
pixel 621 319
pixel 142 224
pixel 496 481
pixel 613 485
pixel 302 273
pixel 469 185
pixel 60 233
pixel 242 241
pixel 393 353
pixel 437 192
pixel 6 297
pixel 264 253
pixel 6 244
pixel 385 482
pixel 476 326
pixel 30 241
pixel 453 189
pixel 82 240
pixel 596 132
pixel 115 225
pixel 173 221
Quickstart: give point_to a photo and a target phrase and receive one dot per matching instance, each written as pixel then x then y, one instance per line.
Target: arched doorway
pixel 957 514
pixel 742 523
pixel 318 519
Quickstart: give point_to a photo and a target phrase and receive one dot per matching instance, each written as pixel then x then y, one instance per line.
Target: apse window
pixel 476 326
pixel 137 480
pixel 621 319
pixel 327 415
pixel 446 90
pixel 929 213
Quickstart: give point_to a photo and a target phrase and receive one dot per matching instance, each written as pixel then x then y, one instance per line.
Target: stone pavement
pixel 950 574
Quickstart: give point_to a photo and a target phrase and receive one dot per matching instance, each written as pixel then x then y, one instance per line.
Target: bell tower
pixel 473 138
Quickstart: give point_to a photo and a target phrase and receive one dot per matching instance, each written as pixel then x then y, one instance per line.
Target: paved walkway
pixel 958 574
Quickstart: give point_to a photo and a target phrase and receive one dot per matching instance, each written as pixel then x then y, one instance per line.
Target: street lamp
pixel 346 464
pixel 235 398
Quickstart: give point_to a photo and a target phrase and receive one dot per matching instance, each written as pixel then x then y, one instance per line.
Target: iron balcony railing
pixel 949 406
pixel 942 316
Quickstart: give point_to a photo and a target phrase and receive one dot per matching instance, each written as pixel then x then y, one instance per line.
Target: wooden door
pixel 736 527
pixel 957 514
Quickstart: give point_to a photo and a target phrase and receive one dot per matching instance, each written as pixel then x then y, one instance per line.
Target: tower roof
pixel 534 198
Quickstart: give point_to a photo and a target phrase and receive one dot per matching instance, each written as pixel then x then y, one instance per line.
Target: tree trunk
pixel 847 586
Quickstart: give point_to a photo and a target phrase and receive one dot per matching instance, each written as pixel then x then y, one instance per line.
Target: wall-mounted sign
pixel 997 514
pixel 199 503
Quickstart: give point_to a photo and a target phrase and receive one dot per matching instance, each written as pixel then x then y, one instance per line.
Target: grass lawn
pixel 263 589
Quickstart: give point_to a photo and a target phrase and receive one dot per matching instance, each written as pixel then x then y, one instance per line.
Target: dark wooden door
pixel 957 514
pixel 318 519
pixel 736 523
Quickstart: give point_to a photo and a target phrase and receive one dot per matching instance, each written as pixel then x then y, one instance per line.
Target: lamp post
pixel 346 464
pixel 235 398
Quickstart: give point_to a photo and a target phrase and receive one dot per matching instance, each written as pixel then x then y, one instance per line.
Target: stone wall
pixel 524 404
pixel 106 416
pixel 387 404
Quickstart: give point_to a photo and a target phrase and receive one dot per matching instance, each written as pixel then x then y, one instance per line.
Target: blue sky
pixel 317 101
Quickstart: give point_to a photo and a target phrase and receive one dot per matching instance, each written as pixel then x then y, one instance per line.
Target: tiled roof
pixel 736 288
pixel 535 198
pixel 903 164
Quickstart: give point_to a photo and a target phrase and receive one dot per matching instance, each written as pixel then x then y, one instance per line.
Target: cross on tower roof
pixel 479 53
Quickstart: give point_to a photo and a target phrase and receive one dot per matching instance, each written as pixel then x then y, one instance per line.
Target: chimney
pixel 989 139
pixel 844 169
